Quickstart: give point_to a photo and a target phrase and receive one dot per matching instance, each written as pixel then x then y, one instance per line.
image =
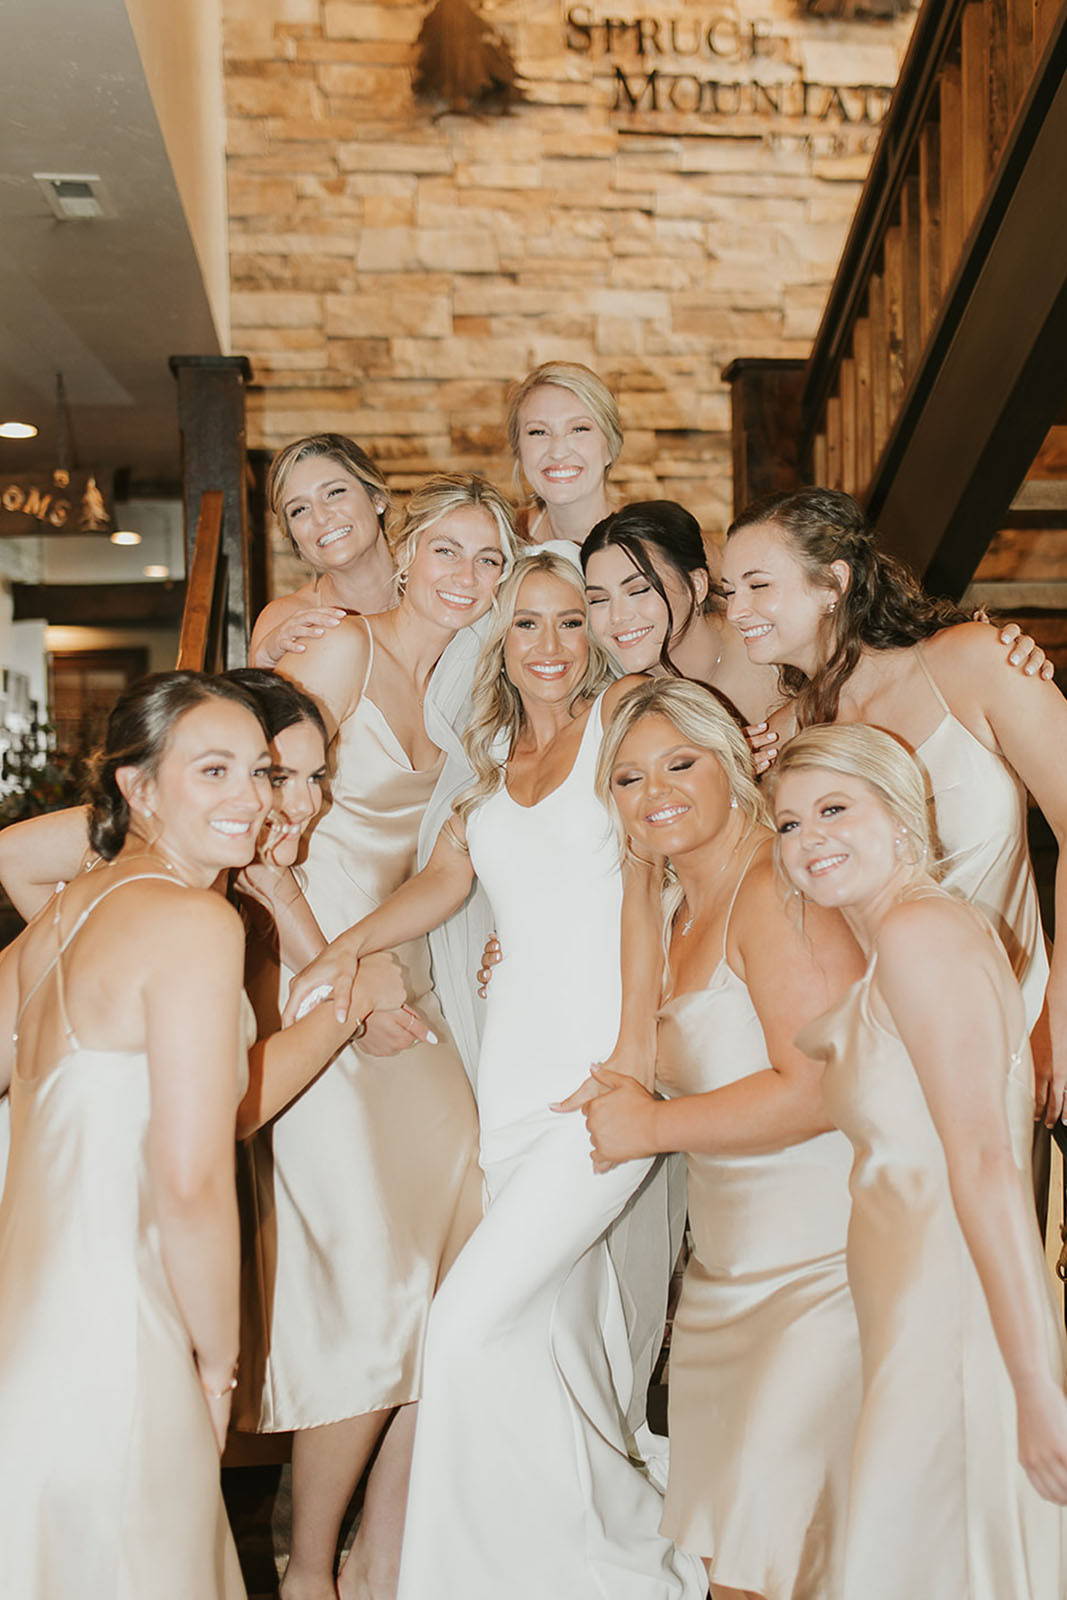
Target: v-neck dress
pixel 362 1191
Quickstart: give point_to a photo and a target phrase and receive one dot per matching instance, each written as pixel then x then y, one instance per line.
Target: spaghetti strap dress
pixel 523 1482
pixel 938 1503
pixel 109 1471
pixel 359 1195
pixel 764 1369
pixel 980 815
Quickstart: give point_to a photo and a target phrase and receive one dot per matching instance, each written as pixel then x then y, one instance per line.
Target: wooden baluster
pixel 894 297
pixel 864 417
pixel 833 442
pixel 1046 13
pixel 847 384
pixel 818 460
pixel 911 272
pixel 929 226
pixel 1020 50
pixel 951 160
pixel 1001 106
pixel 876 302
pixel 974 69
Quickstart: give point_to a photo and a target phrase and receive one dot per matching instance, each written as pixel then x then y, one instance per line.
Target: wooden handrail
pixel 937 370
pixel 196 647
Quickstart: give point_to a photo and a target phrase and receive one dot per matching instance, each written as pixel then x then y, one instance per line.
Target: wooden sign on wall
pixel 33 503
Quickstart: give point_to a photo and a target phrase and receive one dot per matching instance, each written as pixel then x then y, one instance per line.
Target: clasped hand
pixel 372 988
pixel 619 1114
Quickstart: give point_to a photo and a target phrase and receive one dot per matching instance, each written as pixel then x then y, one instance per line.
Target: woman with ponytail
pixel 124 1037
pixel 856 639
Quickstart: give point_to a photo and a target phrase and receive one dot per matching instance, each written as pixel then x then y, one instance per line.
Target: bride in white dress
pixel 524 1482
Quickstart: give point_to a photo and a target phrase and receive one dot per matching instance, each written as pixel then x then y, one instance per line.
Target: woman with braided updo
pixel 857 640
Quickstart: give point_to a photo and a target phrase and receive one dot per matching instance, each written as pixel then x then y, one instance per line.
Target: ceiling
pixel 107 301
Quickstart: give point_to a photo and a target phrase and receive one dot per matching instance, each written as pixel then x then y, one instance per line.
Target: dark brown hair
pixel 138 731
pixel 881 607
pixel 658 529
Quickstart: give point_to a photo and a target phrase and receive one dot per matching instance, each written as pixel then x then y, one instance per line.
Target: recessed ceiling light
pixel 157 572
pixel 17 430
pixel 125 536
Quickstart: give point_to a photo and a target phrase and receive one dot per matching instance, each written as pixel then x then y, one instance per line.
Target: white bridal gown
pixel 523 1484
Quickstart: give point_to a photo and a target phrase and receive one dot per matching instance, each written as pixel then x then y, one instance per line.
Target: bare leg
pixel 372 1568
pixel 327 1465
pixel 719 1593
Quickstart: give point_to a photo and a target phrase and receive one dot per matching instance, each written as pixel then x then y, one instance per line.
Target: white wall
pixel 180 44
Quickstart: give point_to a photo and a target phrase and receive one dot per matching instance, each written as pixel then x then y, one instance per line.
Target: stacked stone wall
pixel 661 202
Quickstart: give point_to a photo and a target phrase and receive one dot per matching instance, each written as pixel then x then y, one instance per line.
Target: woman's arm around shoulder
pixel 40 852
pixel 286 623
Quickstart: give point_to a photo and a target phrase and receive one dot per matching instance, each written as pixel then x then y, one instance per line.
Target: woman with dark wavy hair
pixel 857 640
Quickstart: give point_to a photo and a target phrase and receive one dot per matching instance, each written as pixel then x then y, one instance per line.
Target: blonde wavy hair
pixel 591 392
pixel 336 447
pixel 497 713
pixel 436 498
pixel 703 721
pixel 881 762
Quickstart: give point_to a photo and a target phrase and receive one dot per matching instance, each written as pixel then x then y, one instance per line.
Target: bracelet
pixel 220 1394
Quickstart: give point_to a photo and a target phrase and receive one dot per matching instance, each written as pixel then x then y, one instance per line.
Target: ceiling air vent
pixel 75 196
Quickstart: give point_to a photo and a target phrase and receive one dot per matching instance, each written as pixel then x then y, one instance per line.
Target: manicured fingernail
pixel 431 1038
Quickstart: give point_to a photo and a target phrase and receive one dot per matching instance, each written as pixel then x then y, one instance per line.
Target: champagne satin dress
pixel 939 1505
pixel 362 1191
pixel 980 816
pixel 109 1472
pixel 764 1365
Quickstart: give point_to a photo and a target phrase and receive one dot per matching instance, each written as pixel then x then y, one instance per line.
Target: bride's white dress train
pixel 524 1483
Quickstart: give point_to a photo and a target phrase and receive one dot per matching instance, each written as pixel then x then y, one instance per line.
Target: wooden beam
pixel 765 417
pixel 211 413
pixel 99 605
pixel 197 645
pixel 1009 596
pixel 991 383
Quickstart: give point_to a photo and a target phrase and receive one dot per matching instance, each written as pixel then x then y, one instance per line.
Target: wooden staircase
pixel 939 366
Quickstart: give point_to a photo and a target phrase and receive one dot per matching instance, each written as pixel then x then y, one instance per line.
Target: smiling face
pixel 562 450
pixel 778 611
pixel 673 796
pixel 837 839
pixel 546 649
pixel 625 612
pixel 204 804
pixel 455 569
pixel 297 779
pixel 329 514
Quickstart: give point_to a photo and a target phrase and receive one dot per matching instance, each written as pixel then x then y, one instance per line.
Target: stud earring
pixel 733 802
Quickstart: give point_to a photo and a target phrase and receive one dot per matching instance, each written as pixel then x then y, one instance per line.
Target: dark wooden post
pixel 211 415
pixel 765 405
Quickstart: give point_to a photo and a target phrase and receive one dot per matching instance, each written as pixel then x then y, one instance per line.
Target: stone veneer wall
pixel 394 267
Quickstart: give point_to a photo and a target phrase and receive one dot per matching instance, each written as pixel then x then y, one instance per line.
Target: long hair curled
pixel 497 714
pixel 139 729
pixel 881 605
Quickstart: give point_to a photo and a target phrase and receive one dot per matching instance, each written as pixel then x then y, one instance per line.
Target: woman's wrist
pixel 217 1381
